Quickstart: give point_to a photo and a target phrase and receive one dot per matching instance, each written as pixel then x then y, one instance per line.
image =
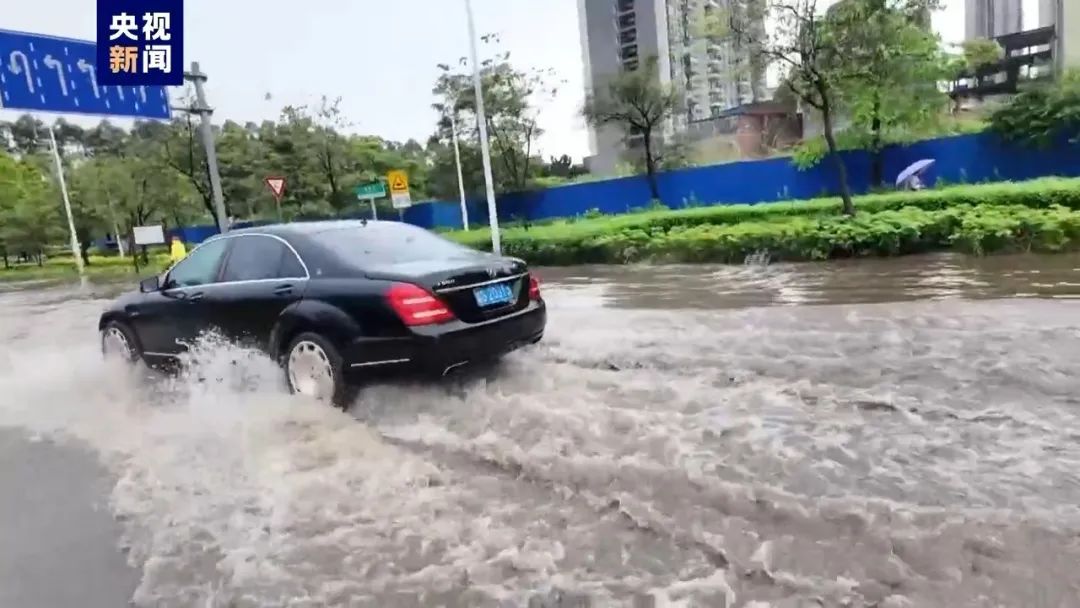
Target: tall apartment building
pixel 1047 12
pixel 1068 31
pixel 989 18
pixel 712 71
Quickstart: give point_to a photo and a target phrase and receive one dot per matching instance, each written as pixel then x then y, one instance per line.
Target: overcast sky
pixel 378 55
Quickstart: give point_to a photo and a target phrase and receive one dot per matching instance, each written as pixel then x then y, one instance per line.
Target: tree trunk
pixel 209 204
pixel 7 264
pixel 650 166
pixel 877 158
pixel 841 168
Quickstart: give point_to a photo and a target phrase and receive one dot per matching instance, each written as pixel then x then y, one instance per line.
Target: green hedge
pixel 1041 193
pixel 1038 214
pixel 979 229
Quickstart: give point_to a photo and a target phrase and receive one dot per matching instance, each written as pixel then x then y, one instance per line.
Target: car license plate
pixel 492 295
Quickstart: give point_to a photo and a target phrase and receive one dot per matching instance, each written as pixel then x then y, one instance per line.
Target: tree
pixel 511 96
pixel 1042 113
pixel 980 52
pixel 802 42
pixel 564 167
pixel 157 173
pixel 28 218
pixel 640 104
pixel 885 69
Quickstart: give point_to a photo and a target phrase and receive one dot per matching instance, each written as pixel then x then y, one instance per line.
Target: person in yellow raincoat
pixel 177 251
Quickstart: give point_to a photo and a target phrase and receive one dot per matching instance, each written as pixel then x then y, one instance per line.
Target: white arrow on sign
pixel 89 69
pixel 16 58
pixel 59 67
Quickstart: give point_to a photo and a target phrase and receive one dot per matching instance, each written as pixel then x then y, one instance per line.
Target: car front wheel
pixel 314 368
pixel 118 342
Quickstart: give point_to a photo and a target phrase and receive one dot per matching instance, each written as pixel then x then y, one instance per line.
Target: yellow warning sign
pixel 399 182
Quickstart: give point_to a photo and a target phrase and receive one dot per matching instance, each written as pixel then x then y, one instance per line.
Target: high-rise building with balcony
pixel 712 70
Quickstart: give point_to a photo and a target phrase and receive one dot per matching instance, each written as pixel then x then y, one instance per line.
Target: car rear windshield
pixel 388 243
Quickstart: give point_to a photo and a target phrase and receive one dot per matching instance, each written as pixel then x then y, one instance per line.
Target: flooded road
pixel 884 433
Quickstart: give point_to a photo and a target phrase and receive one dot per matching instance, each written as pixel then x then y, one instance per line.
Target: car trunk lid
pixel 475 288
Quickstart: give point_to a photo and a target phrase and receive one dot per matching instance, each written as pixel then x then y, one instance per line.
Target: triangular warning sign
pixel 398 183
pixel 276 185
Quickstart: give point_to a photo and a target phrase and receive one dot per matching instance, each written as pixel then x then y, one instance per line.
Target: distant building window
pixel 630 52
pixel 625 5
pixel 630 65
pixel 628 37
pixel 628 20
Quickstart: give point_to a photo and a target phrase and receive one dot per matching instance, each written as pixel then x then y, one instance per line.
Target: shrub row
pixel 582 233
pixel 979 229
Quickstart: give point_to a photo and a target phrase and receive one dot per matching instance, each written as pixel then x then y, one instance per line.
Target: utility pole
pixel 75 252
pixel 457 160
pixel 206 130
pixel 485 153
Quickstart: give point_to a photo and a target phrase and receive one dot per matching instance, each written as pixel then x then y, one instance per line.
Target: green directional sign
pixel 372 190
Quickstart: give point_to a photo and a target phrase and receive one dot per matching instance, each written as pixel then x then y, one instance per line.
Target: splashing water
pixel 917 455
pixel 758 258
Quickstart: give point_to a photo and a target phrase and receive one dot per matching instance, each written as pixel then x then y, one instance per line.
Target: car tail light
pixel 534 287
pixel 417 306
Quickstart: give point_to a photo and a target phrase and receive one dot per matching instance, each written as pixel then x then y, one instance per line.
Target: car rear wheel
pixel 118 342
pixel 314 368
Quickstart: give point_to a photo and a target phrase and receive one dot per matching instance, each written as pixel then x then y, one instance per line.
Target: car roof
pixel 315 227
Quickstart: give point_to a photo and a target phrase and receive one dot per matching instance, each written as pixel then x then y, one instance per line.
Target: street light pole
pixel 457 160
pixel 485 153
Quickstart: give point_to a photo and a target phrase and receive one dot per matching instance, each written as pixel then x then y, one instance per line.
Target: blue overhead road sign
pixel 46 74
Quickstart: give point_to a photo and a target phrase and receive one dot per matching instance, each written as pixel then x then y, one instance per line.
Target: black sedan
pixel 336 303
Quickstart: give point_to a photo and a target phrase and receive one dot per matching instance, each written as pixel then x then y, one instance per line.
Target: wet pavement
pixel 872 433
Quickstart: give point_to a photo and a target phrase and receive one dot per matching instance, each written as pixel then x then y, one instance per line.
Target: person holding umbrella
pixel 910 178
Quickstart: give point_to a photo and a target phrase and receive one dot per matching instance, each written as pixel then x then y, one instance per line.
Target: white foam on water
pixel 904 454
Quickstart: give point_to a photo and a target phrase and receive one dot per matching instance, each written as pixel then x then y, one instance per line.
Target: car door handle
pixel 283 290
pixel 195 297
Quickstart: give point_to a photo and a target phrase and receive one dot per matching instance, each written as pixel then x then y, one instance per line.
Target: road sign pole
pixel 374 213
pixel 457 161
pixel 207 130
pixel 75 252
pixel 485 153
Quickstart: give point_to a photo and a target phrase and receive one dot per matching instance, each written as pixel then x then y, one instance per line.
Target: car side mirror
pixel 150 285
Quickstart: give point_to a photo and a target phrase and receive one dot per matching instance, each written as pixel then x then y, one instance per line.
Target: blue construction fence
pixel 977 158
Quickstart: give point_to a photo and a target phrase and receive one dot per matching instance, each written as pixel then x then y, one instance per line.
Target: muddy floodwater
pixel 884 433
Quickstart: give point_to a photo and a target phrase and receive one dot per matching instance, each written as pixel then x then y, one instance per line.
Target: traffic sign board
pixel 47 74
pixel 399 182
pixel 277 186
pixel 372 190
pixel 401 200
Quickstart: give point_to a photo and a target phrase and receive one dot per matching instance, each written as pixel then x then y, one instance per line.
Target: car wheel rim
pixel 115 345
pixel 310 372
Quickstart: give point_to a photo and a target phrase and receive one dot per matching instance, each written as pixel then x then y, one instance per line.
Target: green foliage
pixel 638 103
pixel 883 67
pixel 511 96
pixel 156 173
pixel 980 52
pixel 1038 215
pixel 29 208
pixel 1042 113
pixel 811 151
